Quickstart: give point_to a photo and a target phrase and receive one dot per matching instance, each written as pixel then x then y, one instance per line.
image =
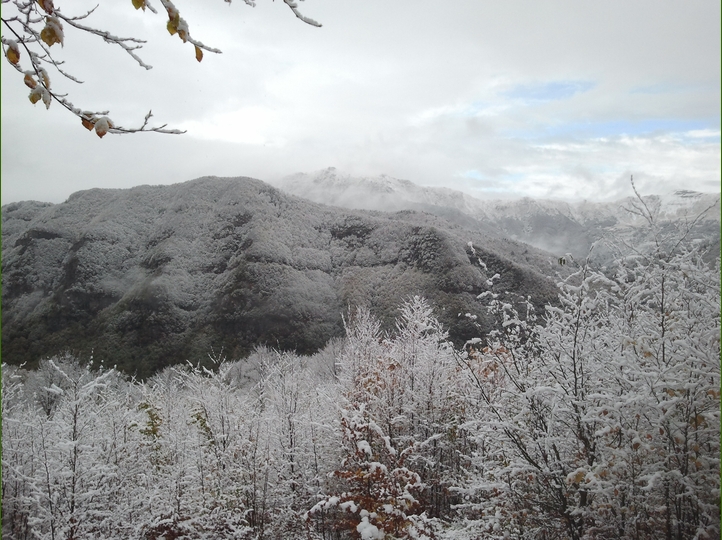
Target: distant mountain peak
pixel 686 193
pixel 555 226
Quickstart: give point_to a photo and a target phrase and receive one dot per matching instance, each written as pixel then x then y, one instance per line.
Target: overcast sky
pixel 552 99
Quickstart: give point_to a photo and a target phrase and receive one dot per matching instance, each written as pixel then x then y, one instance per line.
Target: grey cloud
pixel 412 89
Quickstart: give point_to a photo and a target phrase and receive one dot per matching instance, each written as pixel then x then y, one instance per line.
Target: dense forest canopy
pixel 597 418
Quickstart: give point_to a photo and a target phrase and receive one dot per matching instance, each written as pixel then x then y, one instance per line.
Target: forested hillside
pixel 159 275
pixel 602 422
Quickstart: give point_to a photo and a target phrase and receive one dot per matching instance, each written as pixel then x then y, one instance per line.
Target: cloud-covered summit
pixel 556 226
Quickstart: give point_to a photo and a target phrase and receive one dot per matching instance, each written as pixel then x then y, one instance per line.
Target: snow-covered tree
pixel 62 475
pixel 295 407
pixel 377 495
pixel 18 456
pixel 663 434
pixel 599 419
pixel 401 420
pixel 603 422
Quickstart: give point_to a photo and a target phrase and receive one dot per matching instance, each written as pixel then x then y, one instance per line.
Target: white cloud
pixel 703 133
pixel 249 125
pixel 536 98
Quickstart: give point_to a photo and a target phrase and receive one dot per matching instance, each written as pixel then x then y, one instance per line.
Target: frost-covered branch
pixel 294 7
pixel 37 26
pixel 127 44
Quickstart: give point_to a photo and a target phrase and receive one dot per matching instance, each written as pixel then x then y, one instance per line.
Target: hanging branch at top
pixel 37 25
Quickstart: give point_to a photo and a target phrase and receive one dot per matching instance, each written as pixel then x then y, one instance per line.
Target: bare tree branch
pixel 37 26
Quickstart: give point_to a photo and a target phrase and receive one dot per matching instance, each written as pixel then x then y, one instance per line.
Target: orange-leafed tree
pixel 378 493
pixel 401 423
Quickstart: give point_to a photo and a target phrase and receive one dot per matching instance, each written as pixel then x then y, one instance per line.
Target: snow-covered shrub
pixel 604 421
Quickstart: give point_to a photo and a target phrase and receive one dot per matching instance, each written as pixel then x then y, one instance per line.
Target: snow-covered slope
pixel 155 275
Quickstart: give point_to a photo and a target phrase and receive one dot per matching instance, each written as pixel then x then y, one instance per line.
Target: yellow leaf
pixel 47 6
pixel 53 32
pixel 576 477
pixel 139 4
pixel 172 27
pixel 35 95
pixel 199 53
pixel 102 125
pixel 13 55
pixel 29 81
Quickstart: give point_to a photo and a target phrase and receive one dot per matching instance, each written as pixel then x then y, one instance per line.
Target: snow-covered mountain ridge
pixel 155 275
pixel 332 187
pixel 556 226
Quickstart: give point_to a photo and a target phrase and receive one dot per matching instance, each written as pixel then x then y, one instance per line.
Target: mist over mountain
pixel 151 276
pixel 555 226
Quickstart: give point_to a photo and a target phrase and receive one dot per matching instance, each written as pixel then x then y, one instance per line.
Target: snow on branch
pixel 36 26
pixel 294 7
